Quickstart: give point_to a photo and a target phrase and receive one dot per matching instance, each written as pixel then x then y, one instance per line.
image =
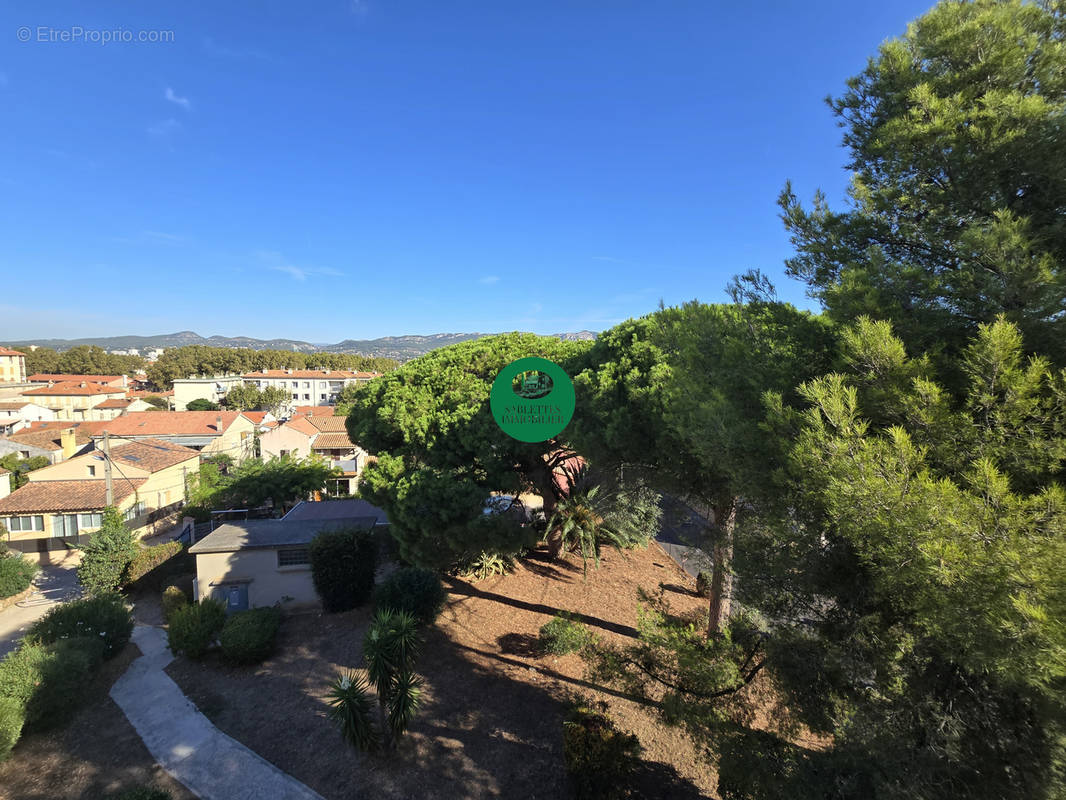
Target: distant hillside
pixel 402 348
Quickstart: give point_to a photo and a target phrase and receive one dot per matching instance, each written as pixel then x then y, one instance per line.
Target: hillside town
pixel 77 444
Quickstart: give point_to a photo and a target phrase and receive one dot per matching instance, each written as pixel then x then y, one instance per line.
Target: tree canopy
pixel 80 360
pixel 439 453
pixel 958 202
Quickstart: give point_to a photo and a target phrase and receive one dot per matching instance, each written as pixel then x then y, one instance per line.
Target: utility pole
pixel 109 492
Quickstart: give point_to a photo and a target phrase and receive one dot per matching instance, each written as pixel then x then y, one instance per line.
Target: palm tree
pixel 578 521
pixel 390 649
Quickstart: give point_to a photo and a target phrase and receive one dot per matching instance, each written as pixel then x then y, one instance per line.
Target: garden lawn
pixel 98 752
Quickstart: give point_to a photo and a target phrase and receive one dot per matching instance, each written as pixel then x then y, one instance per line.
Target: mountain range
pixel 402 348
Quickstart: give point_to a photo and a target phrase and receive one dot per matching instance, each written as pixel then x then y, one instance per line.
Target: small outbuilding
pixel 260 563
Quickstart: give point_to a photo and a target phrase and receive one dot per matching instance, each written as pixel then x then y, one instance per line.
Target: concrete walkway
pixel 212 765
pixel 51 585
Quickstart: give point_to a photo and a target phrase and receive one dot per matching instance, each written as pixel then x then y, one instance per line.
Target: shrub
pixel 248 637
pixel 143 568
pixel 173 599
pixel 350 709
pixel 103 617
pixel 107 555
pixel 11 718
pixel 415 590
pixel 703 583
pixel 343 563
pixel 193 628
pixel 562 635
pixel 48 680
pixel 142 793
pixel 485 564
pixel 599 757
pixel 16 574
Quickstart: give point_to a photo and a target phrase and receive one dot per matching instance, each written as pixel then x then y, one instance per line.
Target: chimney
pixel 67 442
pixel 218 423
pixel 289 370
pixel 265 370
pixel 327 372
pixel 83 384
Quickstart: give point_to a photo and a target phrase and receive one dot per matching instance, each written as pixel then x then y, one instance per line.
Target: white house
pixel 309 386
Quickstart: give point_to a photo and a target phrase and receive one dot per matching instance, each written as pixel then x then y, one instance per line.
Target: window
pixel 134 511
pixel 322 397
pixel 91 520
pixel 295 384
pixel 307 396
pixel 92 471
pixel 296 397
pixel 294 557
pixel 307 384
pixel 25 523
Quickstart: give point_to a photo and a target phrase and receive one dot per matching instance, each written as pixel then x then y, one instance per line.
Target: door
pixel 236 597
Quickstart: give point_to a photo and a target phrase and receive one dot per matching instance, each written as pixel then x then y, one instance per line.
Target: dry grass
pixel 491 726
pixel 96 754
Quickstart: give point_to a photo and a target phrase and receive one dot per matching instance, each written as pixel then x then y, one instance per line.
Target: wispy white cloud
pixel 164 127
pixel 177 99
pixel 303 273
pixel 488 280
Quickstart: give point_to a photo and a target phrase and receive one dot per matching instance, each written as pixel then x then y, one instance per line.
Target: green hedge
pixel 192 629
pixel 16 574
pixel 48 680
pixel 12 716
pixel 104 617
pixel 415 590
pixel 151 567
pixel 343 563
pixel 248 637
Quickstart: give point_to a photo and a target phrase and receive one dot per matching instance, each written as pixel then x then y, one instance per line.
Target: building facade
pixel 12 366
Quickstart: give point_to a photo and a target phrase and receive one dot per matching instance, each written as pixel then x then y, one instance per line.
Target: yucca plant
pixel 351 708
pixel 390 649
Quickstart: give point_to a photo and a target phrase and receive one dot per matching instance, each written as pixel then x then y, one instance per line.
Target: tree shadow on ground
pixel 460 587
pixel 519 644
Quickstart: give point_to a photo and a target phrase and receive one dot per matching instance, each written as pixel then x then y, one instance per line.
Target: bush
pixel 193 628
pixel 600 758
pixel 415 590
pixel 562 635
pixel 142 793
pixel 485 564
pixel 143 568
pixel 248 637
pixel 16 574
pixel 107 555
pixel 703 583
pixel 11 718
pixel 104 617
pixel 173 599
pixel 343 563
pixel 48 680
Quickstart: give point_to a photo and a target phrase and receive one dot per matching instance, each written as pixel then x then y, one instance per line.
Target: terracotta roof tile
pixel 5 352
pixel 114 402
pixel 332 441
pixel 75 388
pixel 331 424
pixel 46 435
pixel 39 497
pixel 152 454
pixel 317 411
pixel 302 425
pixel 14 406
pixel 170 423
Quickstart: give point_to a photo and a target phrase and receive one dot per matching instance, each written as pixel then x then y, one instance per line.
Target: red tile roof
pixel 152 454
pixel 317 374
pixel 5 352
pixel 14 406
pixel 75 388
pixel 46 435
pixel 317 411
pixel 332 441
pixel 332 424
pixel 170 423
pixel 114 402
pixel 41 497
pixel 302 425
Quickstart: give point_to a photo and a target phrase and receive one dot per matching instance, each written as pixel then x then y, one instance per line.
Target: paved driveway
pixel 52 585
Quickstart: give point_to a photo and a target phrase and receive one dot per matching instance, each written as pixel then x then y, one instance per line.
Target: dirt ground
pixel 96 754
pixel 492 722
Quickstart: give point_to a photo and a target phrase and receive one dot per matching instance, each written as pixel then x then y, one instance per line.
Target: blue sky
pixel 340 169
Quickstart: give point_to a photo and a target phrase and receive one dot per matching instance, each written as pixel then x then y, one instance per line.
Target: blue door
pixel 236 597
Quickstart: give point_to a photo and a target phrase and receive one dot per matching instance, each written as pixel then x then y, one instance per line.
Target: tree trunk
pixel 721 600
pixel 543 477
